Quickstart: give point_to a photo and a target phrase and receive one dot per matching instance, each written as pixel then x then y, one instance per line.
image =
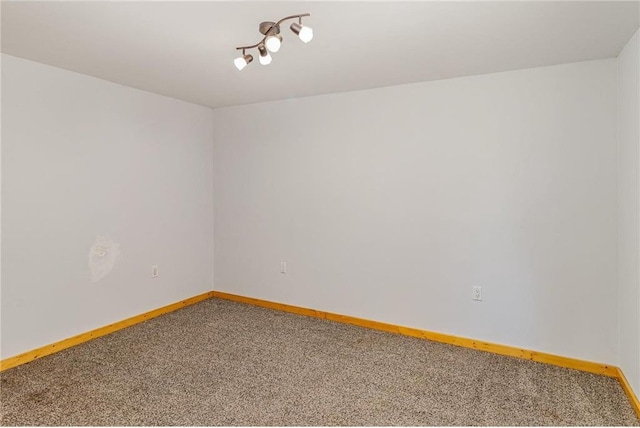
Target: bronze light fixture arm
pixel 300 16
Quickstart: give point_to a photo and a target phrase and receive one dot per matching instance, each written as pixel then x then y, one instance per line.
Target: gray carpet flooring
pixel 225 363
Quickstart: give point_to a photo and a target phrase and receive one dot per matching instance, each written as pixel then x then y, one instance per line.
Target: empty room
pixel 338 213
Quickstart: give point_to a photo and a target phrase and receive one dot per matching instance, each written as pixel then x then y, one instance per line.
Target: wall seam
pixel 619 197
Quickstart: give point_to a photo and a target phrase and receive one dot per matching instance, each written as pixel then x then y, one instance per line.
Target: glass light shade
pixel 273 43
pixel 240 63
pixel 265 59
pixel 306 34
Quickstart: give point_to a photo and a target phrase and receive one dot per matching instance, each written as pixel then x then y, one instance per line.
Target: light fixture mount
pixel 272 39
pixel 269 28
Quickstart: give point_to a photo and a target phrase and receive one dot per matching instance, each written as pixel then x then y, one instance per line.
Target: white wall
pixel 81 157
pixel 390 204
pixel 629 206
pixel 387 204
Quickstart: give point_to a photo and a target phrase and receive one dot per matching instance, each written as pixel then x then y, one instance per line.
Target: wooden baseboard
pixel 28 356
pixel 635 403
pixel 572 363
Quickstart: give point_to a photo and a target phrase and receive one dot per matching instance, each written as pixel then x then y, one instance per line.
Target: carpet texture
pixel 225 363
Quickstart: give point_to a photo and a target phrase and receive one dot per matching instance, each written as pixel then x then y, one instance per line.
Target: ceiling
pixel 185 50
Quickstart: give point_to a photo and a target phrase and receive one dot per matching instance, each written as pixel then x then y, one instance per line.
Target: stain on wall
pixel 103 257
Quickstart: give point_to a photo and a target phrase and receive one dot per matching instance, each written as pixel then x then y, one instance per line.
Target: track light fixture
pixel 272 40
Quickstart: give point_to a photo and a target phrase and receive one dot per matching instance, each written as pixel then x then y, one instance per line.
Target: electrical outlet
pixel 283 267
pixel 154 271
pixel 477 293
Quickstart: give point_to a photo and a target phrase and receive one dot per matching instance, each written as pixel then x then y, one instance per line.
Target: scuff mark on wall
pixel 103 256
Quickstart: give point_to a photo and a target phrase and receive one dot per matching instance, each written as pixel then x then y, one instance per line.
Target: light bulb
pixel 273 42
pixel 306 34
pixel 265 58
pixel 241 62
